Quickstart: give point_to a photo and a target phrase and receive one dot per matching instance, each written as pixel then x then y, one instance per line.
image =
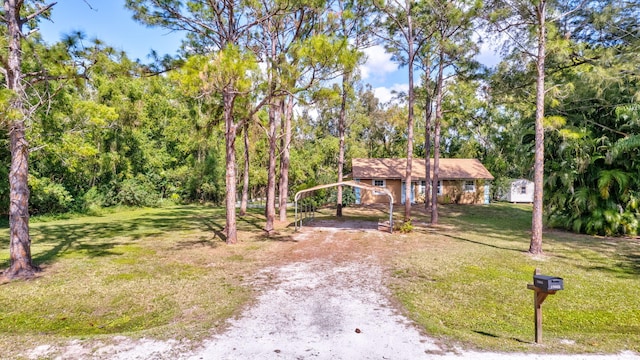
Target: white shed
pixel 520 191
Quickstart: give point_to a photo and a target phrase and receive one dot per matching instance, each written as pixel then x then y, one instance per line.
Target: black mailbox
pixel 548 283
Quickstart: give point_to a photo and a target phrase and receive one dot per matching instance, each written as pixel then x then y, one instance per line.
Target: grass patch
pixel 144 272
pixel 466 282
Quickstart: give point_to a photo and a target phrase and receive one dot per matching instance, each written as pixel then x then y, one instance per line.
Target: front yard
pixel 167 274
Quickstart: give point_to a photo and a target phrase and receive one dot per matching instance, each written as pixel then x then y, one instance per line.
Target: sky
pixel 109 21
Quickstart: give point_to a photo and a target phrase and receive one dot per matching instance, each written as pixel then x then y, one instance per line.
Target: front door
pixel 413 191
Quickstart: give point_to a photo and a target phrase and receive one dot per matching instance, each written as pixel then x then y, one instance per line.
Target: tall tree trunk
pixel 341 129
pixel 230 148
pixel 535 247
pixel 270 208
pixel 427 163
pixel 436 139
pixel 274 113
pixel 411 55
pixel 285 158
pixel 428 112
pixel 245 174
pixel 20 241
pixel 21 265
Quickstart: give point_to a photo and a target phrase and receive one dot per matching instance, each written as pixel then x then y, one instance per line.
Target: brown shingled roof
pixel 450 169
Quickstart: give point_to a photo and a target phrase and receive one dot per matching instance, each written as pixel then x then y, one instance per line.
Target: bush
pixel 404 227
pixel 137 192
pixel 348 196
pixel 93 200
pixel 175 198
pixel 48 197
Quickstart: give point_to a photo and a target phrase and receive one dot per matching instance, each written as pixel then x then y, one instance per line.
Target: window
pixel 439 187
pixel 469 186
pixel 523 189
pixel 423 187
pixel 378 183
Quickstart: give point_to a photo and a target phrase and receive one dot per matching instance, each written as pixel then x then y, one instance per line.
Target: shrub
pixel 348 196
pixel 137 192
pixel 48 197
pixel 405 227
pixel 92 200
pixel 175 198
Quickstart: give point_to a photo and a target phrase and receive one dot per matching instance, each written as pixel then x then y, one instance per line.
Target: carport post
pixel 391 216
pixel 295 216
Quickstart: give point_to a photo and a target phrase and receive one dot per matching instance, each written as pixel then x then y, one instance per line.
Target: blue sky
pixel 109 21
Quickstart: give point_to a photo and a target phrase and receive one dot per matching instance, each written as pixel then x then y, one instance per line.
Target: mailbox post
pixel 542 286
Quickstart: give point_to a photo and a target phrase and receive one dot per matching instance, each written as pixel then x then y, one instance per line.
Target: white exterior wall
pixel 521 190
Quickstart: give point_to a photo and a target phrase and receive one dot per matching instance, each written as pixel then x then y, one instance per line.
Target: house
pixel 520 191
pixel 461 181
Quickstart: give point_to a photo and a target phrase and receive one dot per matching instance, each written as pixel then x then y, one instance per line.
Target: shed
pixel 520 191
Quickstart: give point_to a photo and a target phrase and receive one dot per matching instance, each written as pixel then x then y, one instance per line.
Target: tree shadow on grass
pixel 99 239
pixel 276 238
pixel 631 264
pixel 499 221
pixel 216 228
pixel 247 222
pixel 90 240
pixel 619 256
pixel 252 220
pixel 203 241
pixel 481 243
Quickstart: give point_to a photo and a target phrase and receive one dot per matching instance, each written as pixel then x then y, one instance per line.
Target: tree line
pixel 265 98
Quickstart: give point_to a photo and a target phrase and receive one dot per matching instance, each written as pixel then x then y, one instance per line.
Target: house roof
pixel 449 169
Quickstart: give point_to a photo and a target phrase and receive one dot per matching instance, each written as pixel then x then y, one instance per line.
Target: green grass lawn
pixel 146 272
pixel 466 282
pixel 166 273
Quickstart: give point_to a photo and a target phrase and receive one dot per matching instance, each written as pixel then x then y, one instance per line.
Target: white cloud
pixel 488 55
pixel 489 48
pixel 385 94
pixel 378 63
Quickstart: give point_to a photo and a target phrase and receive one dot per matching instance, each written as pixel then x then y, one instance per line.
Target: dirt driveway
pixel 324 299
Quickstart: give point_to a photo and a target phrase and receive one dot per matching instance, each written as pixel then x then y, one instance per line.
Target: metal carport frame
pixel 346 183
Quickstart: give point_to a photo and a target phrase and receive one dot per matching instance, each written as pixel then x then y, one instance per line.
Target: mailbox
pixel 548 283
pixel 543 285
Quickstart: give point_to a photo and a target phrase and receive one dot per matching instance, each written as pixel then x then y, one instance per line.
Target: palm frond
pixel 625 145
pixel 577 225
pixel 584 200
pixel 607 178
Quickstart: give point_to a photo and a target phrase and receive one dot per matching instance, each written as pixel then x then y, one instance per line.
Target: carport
pixel 345 183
